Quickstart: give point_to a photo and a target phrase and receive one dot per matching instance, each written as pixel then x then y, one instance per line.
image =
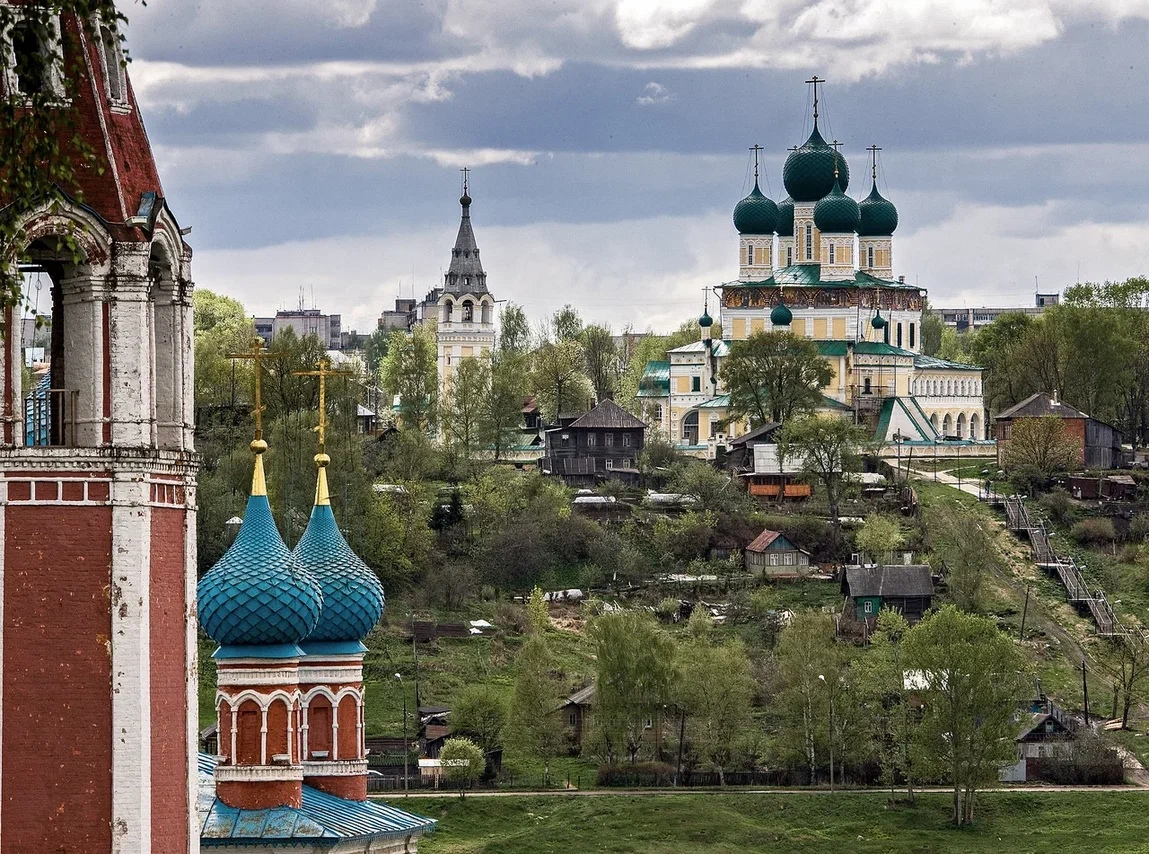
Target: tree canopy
pixel 773 376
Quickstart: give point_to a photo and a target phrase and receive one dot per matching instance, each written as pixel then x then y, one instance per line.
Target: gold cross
pixel 323 372
pixel 258 353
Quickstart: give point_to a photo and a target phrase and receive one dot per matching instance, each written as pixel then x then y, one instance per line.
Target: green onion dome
pixel 809 170
pixel 836 213
pixel 878 322
pixel 785 224
pixel 781 316
pixel 258 594
pixel 879 216
pixel 706 321
pixel 755 214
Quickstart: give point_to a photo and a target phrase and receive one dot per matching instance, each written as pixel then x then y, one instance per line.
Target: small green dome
pixel 809 170
pixel 878 322
pixel 755 214
pixel 781 316
pixel 879 217
pixel 785 224
pixel 836 213
pixel 705 321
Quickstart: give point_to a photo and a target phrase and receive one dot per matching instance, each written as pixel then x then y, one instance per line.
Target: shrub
pixel 666 609
pixel 1059 506
pixel 639 774
pixel 1139 528
pixel 511 618
pixel 1093 531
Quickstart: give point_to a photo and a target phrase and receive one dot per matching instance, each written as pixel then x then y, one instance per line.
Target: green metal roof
pixel 655 381
pixel 810 276
pixel 833 348
pixel 942 364
pixel 721 348
pixel 880 348
pixel 720 402
pixel 830 403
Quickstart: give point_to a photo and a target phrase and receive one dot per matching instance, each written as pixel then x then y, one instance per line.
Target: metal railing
pixel 50 417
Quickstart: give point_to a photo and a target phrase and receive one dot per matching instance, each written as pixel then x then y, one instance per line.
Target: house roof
pixel 720 347
pixel 770 538
pixel 321 816
pixel 581 697
pixel 610 416
pixel 759 435
pixel 433 732
pixel 888 581
pixel 1038 405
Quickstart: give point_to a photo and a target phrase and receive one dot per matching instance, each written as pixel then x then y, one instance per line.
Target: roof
pixel 830 403
pixel 914 414
pixel 810 275
pixel 321 816
pixel 763 434
pixel 655 381
pixel 721 347
pixel 768 539
pixel 720 402
pixel 928 362
pixel 465 275
pixel 888 581
pixel 581 697
pixel 609 415
pixel 1038 405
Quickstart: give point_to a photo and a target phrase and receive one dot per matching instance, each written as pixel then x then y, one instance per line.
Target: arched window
pixel 468 311
pixel 975 426
pixel 690 428
pixel 448 309
pixel 934 421
pixel 113 65
pixel 947 426
pixel 961 425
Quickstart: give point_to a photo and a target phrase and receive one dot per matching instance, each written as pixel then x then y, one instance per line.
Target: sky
pixel 314 146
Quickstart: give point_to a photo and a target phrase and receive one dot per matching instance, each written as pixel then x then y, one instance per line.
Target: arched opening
pixel 349 730
pixel 690 428
pixel 486 309
pixel 934 421
pixel 319 742
pixel 961 425
pixel 113 65
pixel 278 723
pixel 448 310
pixel 248 734
pixel 468 311
pixel 975 426
pixel 947 426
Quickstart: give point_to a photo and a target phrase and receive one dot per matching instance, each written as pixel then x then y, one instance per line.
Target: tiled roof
pixel 610 416
pixel 321 817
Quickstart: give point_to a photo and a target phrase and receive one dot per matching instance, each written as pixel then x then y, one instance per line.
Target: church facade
pixel 820 265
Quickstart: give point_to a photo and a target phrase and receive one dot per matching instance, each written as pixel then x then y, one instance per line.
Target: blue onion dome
pixel 781 316
pixel 352 595
pixel 755 214
pixel 836 213
pixel 878 322
pixel 809 170
pixel 785 223
pixel 257 595
pixel 706 321
pixel 879 216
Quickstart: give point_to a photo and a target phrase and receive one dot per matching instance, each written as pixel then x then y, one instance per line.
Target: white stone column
pixel 133 402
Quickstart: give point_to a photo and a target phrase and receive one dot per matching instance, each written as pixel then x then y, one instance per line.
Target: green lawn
pixel 1014 822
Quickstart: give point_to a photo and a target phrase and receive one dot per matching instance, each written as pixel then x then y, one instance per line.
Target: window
pixel 886 336
pixel 648 723
pixel 113 60
pixel 566 440
pixel 865 385
pixel 749 254
pixel 899 335
pixel 572 719
pixel 789 558
pixel 809 242
pixel 626 437
pixel 789 255
pixel 610 440
pixel 657 414
pixel 468 309
pixel 590 440
pixel 868 607
pixel 832 250
pixel 912 331
pixel 696 383
pixel 609 464
pixel 869 256
pixel 773 559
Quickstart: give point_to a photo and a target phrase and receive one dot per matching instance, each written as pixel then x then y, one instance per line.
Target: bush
pixel 666 609
pixel 639 774
pixel 1059 506
pixel 512 618
pixel 1093 532
pixel 1139 528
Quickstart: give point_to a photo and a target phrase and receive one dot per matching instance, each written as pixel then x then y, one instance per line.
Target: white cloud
pixel 654 93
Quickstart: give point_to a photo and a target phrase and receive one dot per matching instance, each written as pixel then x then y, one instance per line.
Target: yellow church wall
pixel 839 328
pixel 757 324
pixel 738 328
pixel 819 327
pixel 682 385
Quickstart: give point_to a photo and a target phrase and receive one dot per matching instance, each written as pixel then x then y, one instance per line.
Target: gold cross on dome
pixel 257 353
pixel 323 372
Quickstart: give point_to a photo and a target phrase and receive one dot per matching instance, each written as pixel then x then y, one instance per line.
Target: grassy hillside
pixel 1086 822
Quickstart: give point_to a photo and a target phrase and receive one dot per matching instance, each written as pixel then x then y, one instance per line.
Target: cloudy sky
pixel 314 145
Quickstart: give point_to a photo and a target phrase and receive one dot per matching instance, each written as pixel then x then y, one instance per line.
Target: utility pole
pixel 406 746
pixel 1085 691
pixel 1024 611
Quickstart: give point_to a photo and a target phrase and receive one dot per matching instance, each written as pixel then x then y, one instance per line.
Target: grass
pixel 857 822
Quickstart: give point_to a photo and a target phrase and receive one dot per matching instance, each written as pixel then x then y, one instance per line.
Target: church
pixel 820 265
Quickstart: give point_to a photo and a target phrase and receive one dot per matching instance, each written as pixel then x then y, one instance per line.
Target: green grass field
pixel 1014 822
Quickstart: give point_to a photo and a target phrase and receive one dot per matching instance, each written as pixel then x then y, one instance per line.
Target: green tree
pixel 972 676
pixel 502 413
pixel 480 715
pixel 1042 445
pixel 715 691
pixel 829 448
pixel 537 614
pixel 961 544
pixel 998 349
pixel 600 357
pixel 566 325
pixel 514 330
pixel 773 376
pixel 465 407
pixel 462 761
pixel 375 350
pixel 880 535
pixel 557 378
pixel 534 725
pixel 932 327
pixel 221 328
pixel 634 675
pixel 409 371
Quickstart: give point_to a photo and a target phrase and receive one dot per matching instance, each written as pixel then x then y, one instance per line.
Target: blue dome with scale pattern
pixel 352 595
pixel 258 595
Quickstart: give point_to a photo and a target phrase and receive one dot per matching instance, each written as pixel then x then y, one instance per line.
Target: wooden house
pixel 869 589
pixel 1098 443
pixel 772 555
pixel 575 715
pixel 765 474
pixel 602 444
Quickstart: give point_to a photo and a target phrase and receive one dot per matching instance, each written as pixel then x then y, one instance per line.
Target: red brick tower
pixel 97 570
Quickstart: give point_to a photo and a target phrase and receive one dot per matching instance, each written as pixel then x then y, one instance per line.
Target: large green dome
pixel 809 170
pixel 836 213
pixel 785 224
pixel 755 214
pixel 781 316
pixel 879 217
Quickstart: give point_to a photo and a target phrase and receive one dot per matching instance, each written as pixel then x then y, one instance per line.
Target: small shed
pixel 772 554
pixel 907 589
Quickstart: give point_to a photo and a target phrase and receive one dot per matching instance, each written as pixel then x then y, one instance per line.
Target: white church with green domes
pixel 820 265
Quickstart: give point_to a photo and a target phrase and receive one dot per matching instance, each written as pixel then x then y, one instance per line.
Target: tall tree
pixel 600 357
pixel 972 675
pixel 932 327
pixel 773 376
pixel 715 690
pixel 633 680
pixel 566 325
pixel 961 544
pixel 557 378
pixel 480 715
pixel 514 330
pixel 502 414
pixel 409 371
pixel 465 407
pixel 829 448
pixel 534 725
pixel 221 328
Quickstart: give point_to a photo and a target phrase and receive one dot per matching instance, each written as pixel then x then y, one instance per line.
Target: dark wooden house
pixel 869 589
pixel 1098 443
pixel 575 715
pixel 599 445
pixel 771 554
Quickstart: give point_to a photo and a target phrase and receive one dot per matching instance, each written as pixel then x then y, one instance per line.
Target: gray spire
pixel 465 275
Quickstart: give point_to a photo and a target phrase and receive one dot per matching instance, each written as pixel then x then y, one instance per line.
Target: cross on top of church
pixel 257 353
pixel 815 80
pixel 874 149
pixel 466 171
pixel 323 372
pixel 836 145
pixel 755 148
